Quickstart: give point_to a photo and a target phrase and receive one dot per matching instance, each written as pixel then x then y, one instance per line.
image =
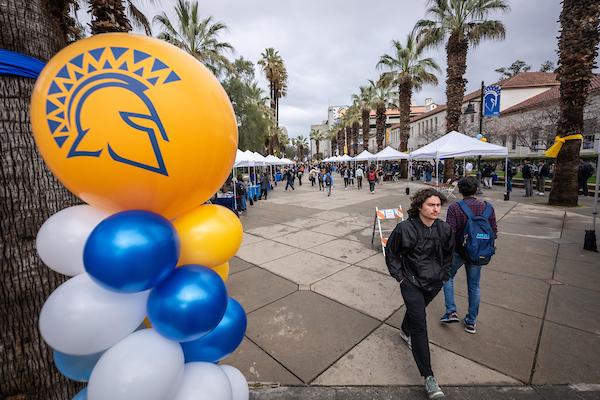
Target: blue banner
pixel 12 63
pixel 491 101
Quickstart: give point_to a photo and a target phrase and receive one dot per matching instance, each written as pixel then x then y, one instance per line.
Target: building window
pixel 514 142
pixel 504 141
pixel 436 125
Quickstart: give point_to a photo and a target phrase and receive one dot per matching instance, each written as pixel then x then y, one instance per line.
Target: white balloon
pixel 239 385
pixel 61 238
pixel 80 317
pixel 143 366
pixel 203 381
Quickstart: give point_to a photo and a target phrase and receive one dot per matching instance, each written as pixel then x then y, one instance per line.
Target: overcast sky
pixel 331 47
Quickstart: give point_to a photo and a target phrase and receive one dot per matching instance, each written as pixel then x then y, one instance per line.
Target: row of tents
pixel 453 144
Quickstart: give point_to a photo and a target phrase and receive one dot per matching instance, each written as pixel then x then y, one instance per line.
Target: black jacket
pixel 419 253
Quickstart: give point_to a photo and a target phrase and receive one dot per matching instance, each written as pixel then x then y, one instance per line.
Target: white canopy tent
pixel 287 161
pixel 273 160
pixel 389 154
pixel 242 159
pixel 456 144
pixel 365 156
pixel 345 158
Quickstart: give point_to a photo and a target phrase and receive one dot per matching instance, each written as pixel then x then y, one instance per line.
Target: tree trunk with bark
pixel 456 53
pixel 405 94
pixel 355 127
pixel 366 115
pixel 340 141
pixel 578 49
pixel 380 125
pixel 348 141
pixel 30 194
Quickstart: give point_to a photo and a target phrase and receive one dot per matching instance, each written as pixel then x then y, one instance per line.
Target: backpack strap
pixel 487 211
pixel 465 209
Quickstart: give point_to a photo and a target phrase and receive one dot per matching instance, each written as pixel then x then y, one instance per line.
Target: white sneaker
pixel 433 389
pixel 406 338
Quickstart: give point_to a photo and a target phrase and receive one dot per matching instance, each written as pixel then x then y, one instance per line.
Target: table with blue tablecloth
pixel 228 202
pixel 278 176
pixel 253 192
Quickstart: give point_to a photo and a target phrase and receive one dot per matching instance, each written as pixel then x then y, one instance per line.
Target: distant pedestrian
pixel 328 180
pixel 289 177
pixel 372 178
pixel 346 175
pixel 300 174
pixel 474 225
pixel 419 256
pixel 320 178
pixel 264 185
pixel 542 175
pixel 527 172
pixel 585 172
pixel 359 177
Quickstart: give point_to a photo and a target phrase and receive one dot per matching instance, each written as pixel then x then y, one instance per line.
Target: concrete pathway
pixel 323 311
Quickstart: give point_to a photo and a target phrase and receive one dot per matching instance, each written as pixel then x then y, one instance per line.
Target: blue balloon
pixel 188 304
pixel 131 251
pixel 479 136
pixel 221 341
pixel 77 368
pixel 82 395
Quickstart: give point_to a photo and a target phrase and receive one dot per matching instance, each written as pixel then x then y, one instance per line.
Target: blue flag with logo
pixel 491 101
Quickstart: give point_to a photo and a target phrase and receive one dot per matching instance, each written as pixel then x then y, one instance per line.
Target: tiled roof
pixel 547 97
pixel 524 79
pixel 394 111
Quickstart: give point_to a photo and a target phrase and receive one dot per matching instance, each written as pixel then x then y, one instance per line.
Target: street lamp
pixel 471 108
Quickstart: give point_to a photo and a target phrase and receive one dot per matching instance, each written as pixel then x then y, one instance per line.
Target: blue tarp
pixel 12 63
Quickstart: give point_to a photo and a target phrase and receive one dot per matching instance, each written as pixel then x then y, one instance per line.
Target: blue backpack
pixel 478 240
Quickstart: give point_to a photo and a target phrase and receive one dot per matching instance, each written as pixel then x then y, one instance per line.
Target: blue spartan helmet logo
pixel 79 92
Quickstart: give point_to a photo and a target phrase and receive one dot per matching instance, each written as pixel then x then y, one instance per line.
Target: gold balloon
pixel 223 271
pixel 131 122
pixel 484 139
pixel 209 235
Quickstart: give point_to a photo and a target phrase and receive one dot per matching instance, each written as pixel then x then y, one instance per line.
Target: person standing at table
pixel 264 185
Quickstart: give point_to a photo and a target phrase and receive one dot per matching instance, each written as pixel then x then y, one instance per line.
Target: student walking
pixel 372 178
pixel 359 177
pixel 264 185
pixel 474 225
pixel 346 174
pixel 289 176
pixel 419 255
pixel 328 181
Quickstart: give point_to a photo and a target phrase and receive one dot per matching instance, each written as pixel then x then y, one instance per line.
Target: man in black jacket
pixel 419 255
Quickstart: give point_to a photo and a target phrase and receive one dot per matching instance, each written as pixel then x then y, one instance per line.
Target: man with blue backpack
pixel 474 224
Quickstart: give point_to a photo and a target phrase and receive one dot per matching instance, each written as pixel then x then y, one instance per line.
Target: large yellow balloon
pixel 131 122
pixel 223 271
pixel 209 235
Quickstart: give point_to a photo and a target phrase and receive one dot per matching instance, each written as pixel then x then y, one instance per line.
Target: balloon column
pixel 144 134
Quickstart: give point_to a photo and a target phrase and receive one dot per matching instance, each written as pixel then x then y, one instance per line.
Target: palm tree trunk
pixel 577 46
pixel 366 116
pixel 348 141
pixel 380 125
pixel 355 138
pixel 340 141
pixel 30 194
pixel 108 16
pixel 318 150
pixel 405 94
pixel 456 53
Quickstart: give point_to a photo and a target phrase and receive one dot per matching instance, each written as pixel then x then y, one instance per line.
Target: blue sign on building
pixel 491 101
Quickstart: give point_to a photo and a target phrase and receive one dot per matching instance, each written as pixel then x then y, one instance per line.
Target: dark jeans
pixel 415 323
pixel 372 186
pixel 321 187
pixel 290 184
pixel 346 181
pixel 263 191
pixel 300 179
pixel 359 181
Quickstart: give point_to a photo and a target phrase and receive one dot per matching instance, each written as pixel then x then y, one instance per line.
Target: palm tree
pixel 577 49
pixel 351 121
pixel 30 196
pixel 108 16
pixel 301 143
pixel 198 37
pixel 317 135
pixel 364 99
pixel 276 73
pixel 383 96
pixel 408 71
pixel 333 137
pixel 458 24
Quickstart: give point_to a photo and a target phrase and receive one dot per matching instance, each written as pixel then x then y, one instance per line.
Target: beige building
pixel 426 127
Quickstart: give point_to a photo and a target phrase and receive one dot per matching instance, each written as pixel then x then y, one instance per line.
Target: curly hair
pixel 419 198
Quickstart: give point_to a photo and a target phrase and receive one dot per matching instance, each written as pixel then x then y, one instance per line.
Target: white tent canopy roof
pixel 287 161
pixel 243 159
pixel 390 154
pixel 273 160
pixel 456 144
pixel 345 158
pixel 364 156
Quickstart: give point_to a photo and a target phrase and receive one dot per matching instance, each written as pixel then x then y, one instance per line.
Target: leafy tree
pixel 458 24
pixel 547 66
pixel 365 100
pixel 318 136
pixel 196 36
pixel 274 68
pixel 515 68
pixel 383 98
